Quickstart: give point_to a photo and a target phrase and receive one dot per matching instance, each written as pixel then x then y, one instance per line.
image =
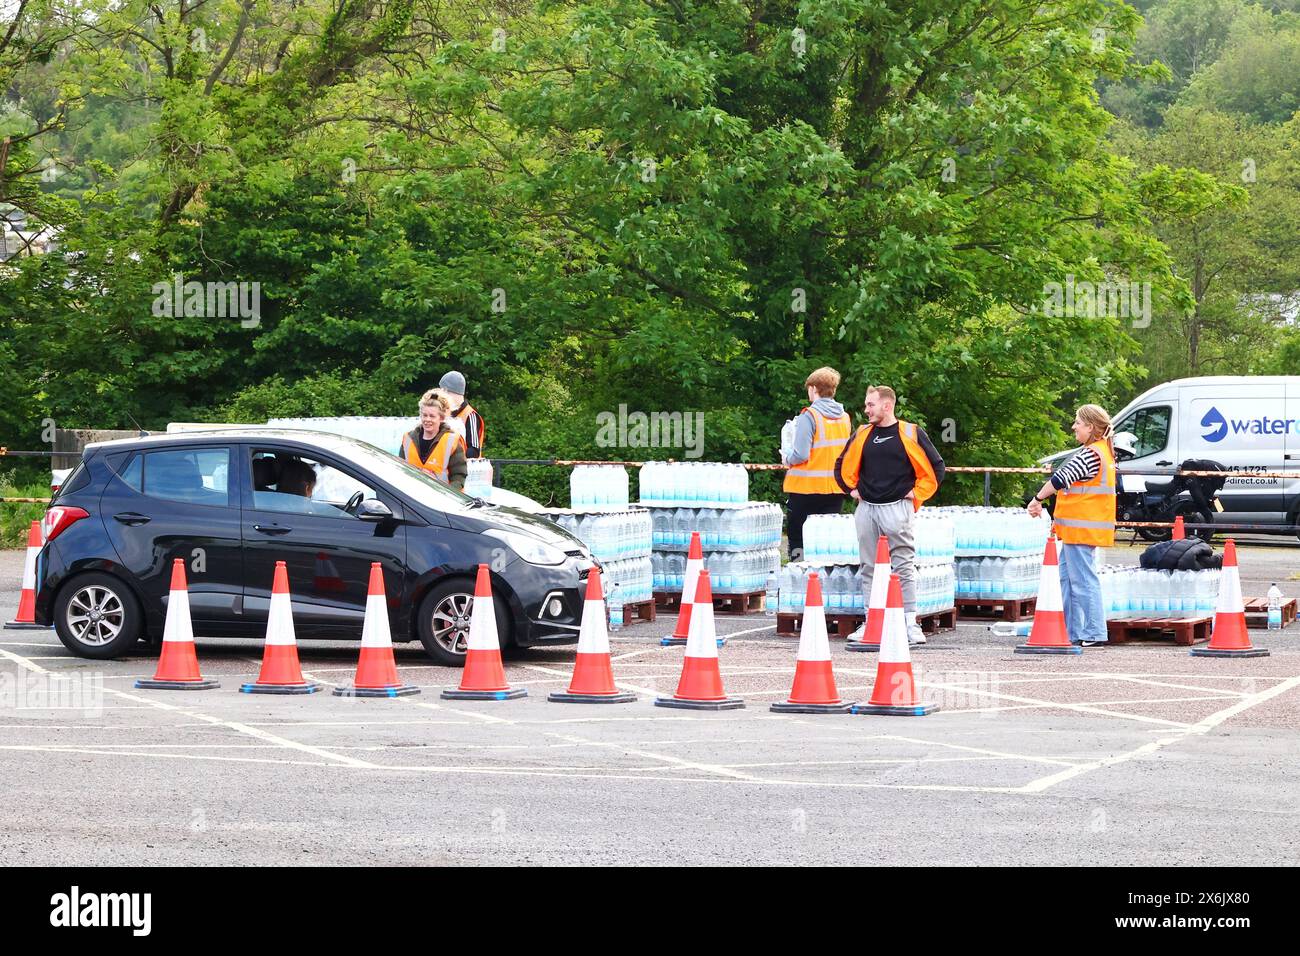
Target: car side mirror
pixel 372 509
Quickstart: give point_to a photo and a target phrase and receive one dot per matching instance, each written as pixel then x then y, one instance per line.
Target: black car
pixel 234 501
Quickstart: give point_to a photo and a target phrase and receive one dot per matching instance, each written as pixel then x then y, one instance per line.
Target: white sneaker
pixel 915 635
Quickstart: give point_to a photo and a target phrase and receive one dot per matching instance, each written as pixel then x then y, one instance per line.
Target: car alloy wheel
pixel 451 618
pixel 95 615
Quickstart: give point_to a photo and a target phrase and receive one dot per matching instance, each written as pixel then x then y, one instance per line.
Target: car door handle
pixel 132 518
pixel 1163 464
pixel 271 528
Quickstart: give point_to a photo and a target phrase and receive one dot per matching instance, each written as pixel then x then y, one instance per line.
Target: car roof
pixel 323 440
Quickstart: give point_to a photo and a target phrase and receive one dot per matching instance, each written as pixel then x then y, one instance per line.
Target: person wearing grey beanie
pixel 452 386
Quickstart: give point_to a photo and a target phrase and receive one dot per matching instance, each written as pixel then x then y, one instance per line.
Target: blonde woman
pixel 433 446
pixel 1084 520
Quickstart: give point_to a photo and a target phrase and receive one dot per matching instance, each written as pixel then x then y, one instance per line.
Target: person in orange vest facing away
pixel 433 446
pixel 821 432
pixel 890 468
pixel 452 386
pixel 1085 521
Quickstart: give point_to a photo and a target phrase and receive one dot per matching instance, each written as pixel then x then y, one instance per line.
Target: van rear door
pixel 1243 426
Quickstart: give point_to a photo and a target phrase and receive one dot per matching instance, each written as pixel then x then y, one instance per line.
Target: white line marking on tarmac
pixel 1203 726
pixel 617 683
pixel 752 630
pixel 630 654
pixel 425 704
pixel 675 761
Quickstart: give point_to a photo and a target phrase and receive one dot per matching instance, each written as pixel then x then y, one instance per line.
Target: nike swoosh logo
pixel 877 440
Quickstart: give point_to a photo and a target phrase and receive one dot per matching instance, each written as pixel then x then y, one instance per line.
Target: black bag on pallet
pixel 1189 554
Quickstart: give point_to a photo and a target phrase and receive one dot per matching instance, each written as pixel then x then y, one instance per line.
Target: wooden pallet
pixel 938 621
pixel 670 601
pixel 1181 631
pixel 788 623
pixel 997 609
pixel 1257 612
pixel 748 602
pixel 638 612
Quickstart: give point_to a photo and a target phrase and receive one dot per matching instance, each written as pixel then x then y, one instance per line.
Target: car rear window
pixel 194 475
pixel 75 481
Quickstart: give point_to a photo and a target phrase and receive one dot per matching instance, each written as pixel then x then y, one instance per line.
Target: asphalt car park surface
pixel 1134 754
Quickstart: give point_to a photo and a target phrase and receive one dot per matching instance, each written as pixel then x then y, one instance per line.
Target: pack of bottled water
pixel 755 526
pixel 598 486
pixel 610 535
pixel 1000 532
pixel 1133 592
pixel 633 578
pixel 730 572
pixel 990 578
pixel 478 479
pixel 693 483
pixel 842 588
pixel 833 539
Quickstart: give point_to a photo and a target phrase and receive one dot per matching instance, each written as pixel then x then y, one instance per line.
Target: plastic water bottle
pixel 1274 608
pixel 615 608
pixel 773 597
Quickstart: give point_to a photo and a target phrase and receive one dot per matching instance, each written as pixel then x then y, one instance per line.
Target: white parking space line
pixel 1203 726
pixel 673 761
pixel 752 630
pixel 617 683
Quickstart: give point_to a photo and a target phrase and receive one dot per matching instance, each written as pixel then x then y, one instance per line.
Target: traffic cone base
pixel 510 693
pixel 25 626
pixel 860 646
pixel 563 697
pixel 307 687
pixel 199 684
pixel 681 641
pixel 789 708
pixel 1229 652
pixel 890 710
pixel 1048 649
pixel 727 703
pixel 403 691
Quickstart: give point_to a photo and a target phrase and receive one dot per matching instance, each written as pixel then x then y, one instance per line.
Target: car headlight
pixel 529 548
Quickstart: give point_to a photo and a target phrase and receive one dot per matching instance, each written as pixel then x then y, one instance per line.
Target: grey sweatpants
pixel 894 521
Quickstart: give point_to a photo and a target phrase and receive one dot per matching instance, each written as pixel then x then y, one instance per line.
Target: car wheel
pixel 97 616
pixel 444 621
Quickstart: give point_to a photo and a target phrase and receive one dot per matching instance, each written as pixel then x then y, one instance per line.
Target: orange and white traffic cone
pixel 814 690
pixel 178 664
pixel 1229 637
pixel 874 625
pixel 700 687
pixel 593 674
pixel 1048 635
pixel 690 584
pixel 281 672
pixel 25 619
pixel 376 666
pixel 895 692
pixel 326 579
pixel 484 677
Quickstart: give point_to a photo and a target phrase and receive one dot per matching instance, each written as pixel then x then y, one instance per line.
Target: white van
pixel 1249 423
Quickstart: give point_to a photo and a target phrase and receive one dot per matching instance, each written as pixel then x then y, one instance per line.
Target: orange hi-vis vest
pixel 816 476
pixel 439 456
pixel 1085 510
pixel 927 483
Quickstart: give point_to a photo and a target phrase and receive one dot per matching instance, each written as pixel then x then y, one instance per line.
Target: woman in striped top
pixel 1088 477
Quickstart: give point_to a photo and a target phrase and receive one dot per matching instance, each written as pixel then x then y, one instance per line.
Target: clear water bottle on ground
pixel 773 596
pixel 1274 608
pixel 615 608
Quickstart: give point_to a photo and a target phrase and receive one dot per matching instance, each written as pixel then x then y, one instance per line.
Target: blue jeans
pixel 1085 618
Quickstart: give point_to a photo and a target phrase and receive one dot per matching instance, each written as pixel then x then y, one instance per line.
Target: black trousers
pixel 799 508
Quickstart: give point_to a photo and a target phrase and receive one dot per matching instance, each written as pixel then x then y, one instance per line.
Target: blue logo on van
pixel 1217 424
